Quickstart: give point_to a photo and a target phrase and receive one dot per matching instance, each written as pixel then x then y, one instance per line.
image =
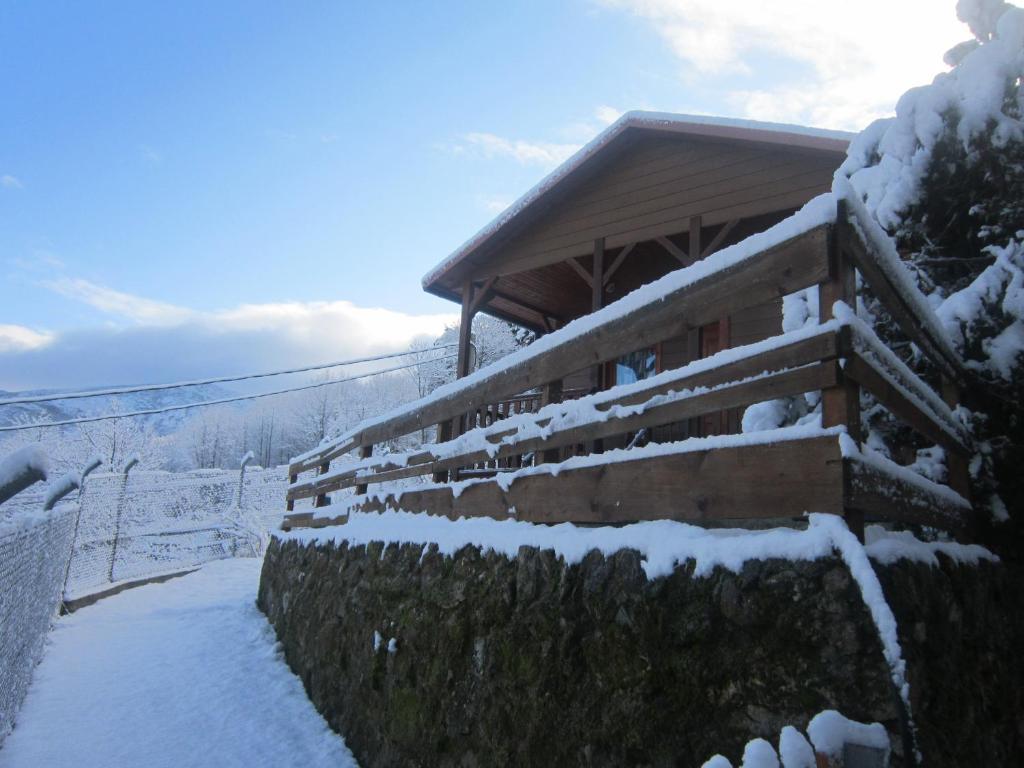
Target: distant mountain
pixel 162 423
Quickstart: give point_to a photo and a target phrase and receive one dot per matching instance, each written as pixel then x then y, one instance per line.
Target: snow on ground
pixel 185 673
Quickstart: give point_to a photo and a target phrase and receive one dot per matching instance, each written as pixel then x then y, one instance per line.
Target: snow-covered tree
pixel 946 178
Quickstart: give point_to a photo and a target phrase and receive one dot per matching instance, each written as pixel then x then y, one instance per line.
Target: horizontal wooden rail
pixel 796 263
pixel 720 484
pixel 738 366
pixel 868 374
pixel 920 330
pixel 780 384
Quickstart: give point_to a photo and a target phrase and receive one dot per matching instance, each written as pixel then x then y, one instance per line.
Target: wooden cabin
pixel 654 193
pixel 703 214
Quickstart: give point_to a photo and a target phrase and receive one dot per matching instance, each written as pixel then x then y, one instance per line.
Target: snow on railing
pixel 818 213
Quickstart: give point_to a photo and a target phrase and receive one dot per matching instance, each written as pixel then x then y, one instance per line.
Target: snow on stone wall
pixel 34 551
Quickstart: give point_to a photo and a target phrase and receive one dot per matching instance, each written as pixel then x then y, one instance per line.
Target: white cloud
pixel 10 182
pixel 544 154
pixel 124 305
pixel 607 115
pixel 18 338
pixel 855 60
pixel 156 341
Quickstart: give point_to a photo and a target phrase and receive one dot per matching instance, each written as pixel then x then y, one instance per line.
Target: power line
pixel 222 401
pixel 198 382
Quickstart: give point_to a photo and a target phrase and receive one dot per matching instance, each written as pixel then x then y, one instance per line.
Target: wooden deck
pixel 527 465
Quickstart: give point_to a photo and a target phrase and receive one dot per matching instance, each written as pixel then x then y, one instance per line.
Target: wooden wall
pixel 655 187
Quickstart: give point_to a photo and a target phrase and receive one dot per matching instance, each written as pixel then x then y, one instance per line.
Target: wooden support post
pixel 597 300
pixel 552 394
pixel 465 329
pixel 364 453
pixel 290 505
pixel 695 225
pixel 444 434
pixel 321 499
pixel 840 405
pixel 956 462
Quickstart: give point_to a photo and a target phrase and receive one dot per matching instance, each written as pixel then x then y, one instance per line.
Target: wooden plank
pixel 713 180
pixel 465 329
pixel 579 270
pixel 719 238
pixel 695 235
pixel 892 299
pixel 292 479
pixel 483 294
pixel 700 486
pixel 645 170
pixel 957 462
pixel 865 373
pixel 364 453
pixel 596 302
pixel 840 405
pixel 667 222
pixel 883 497
pixel 824 346
pixel 553 392
pixel 683 206
pixel 321 498
pixel 297 520
pixel 674 250
pixel 794 264
pixel 781 384
pixel 610 272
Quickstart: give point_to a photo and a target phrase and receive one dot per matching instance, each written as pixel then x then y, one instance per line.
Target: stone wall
pixel 528 661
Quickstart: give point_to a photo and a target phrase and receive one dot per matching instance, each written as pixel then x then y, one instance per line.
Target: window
pixel 636 366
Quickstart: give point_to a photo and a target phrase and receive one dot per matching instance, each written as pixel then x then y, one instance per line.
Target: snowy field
pixel 184 673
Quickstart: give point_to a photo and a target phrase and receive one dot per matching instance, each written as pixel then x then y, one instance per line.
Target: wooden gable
pixel 642 196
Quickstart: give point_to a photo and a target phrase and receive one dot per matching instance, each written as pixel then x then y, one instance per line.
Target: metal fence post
pixel 92 465
pixel 117 523
pixel 241 476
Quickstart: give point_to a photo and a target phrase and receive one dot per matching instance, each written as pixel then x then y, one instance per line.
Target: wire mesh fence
pixel 122 527
pixel 34 551
pixel 150 523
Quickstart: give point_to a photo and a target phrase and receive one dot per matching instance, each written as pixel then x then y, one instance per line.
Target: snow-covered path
pixel 179 674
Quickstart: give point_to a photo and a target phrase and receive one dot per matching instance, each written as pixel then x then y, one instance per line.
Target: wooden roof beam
pixel 481 294
pixel 717 240
pixel 543 315
pixel 579 270
pixel 618 262
pixel 682 256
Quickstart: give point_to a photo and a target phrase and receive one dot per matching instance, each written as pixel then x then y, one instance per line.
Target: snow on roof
pixel 696 125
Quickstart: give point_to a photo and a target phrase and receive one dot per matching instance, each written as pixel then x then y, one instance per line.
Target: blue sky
pixel 192 187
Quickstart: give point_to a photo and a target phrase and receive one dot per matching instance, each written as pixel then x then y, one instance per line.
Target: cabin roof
pixel 596 151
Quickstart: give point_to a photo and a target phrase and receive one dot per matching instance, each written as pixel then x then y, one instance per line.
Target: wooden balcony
pixel 537 458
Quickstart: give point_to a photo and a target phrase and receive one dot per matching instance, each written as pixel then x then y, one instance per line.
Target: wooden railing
pixel 714 479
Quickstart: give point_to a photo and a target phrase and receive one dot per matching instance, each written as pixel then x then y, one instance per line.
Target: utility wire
pixel 185 406
pixel 198 382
